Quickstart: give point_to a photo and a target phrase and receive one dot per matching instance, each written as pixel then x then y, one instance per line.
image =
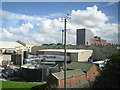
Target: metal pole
pixel 65 53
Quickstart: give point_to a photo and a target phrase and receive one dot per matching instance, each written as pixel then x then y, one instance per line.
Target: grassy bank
pixel 17 85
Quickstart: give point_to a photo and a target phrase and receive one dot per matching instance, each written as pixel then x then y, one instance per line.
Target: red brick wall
pixel 72 82
pixel 93 72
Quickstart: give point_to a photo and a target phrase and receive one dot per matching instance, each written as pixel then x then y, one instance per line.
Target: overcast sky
pixel 41 21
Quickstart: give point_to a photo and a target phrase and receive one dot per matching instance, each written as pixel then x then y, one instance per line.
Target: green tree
pixel 109 77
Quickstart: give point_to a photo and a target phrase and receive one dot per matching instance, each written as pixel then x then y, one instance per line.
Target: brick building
pixel 90 69
pixel 74 78
pixel 98 41
pixel 78 74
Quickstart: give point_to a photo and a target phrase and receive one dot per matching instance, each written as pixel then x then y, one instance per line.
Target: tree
pixel 109 77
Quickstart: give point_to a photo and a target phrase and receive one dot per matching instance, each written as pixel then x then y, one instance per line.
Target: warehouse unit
pixel 74 55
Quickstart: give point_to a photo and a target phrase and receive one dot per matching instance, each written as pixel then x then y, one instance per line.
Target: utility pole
pixel 65 52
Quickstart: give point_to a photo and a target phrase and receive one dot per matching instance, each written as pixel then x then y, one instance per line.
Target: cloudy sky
pixel 42 21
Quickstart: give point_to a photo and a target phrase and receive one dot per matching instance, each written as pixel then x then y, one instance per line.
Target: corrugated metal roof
pixel 80 65
pixel 70 73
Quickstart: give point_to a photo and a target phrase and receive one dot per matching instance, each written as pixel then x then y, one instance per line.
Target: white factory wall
pixel 84 56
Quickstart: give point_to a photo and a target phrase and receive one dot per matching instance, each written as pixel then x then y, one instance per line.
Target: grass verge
pixel 17 85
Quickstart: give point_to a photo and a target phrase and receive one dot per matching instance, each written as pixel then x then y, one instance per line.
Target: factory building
pixel 72 54
pixel 84 36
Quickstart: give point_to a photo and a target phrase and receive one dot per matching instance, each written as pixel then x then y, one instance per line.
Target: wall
pixel 83 56
pixel 73 82
pixel 93 72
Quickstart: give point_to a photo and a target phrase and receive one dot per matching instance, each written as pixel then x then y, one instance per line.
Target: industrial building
pixel 78 73
pixel 84 36
pixel 72 54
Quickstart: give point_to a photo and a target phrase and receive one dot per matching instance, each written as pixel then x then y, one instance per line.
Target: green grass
pixel 14 84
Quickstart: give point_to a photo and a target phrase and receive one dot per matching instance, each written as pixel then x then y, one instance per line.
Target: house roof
pixel 80 65
pixel 70 73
